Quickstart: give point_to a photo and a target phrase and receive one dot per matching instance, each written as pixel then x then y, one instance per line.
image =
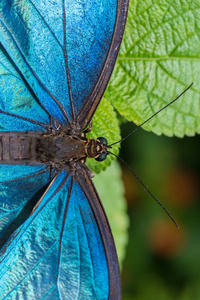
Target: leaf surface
pixel 158 59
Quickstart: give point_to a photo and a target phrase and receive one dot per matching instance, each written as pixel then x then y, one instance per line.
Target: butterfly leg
pixel 54 126
pixel 89 129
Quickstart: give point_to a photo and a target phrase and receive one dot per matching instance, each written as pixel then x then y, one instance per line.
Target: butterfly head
pixel 97 149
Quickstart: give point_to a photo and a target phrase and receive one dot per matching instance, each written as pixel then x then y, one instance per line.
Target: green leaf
pixel 158 59
pixel 104 123
pixel 111 191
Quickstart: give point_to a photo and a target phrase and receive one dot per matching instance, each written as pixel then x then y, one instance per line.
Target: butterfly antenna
pixel 145 187
pixel 152 116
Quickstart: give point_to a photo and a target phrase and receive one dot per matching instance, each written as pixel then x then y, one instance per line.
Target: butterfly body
pixel 18 147
pixel 54 148
pixel 60 148
pixel 56 58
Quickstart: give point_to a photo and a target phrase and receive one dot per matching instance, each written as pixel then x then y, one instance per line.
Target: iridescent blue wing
pixel 106 235
pixel 56 58
pixel 64 250
pixel 19 186
pixel 65 51
pixel 20 109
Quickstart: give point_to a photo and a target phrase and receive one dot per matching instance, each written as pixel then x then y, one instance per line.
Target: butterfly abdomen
pixel 17 147
pixel 31 148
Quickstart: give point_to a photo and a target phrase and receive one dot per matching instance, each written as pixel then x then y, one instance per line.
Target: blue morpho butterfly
pixel 56 58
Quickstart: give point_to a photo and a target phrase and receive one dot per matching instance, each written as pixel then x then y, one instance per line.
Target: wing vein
pixel 63 223
pixel 66 63
pixel 79 252
pixel 27 176
pixel 22 78
pixel 49 290
pixel 25 119
pixel 89 250
pixel 36 77
pixel 46 24
pixel 30 271
pixel 34 209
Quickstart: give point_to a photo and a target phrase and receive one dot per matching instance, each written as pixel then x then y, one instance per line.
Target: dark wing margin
pixel 91 194
pixel 89 108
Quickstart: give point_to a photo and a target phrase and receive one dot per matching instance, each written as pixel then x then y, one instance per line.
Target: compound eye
pixel 101 157
pixel 102 140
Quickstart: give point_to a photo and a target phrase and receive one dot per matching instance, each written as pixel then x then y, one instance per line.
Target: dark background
pixel 162 262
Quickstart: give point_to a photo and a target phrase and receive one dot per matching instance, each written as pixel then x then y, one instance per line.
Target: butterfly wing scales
pixel 19 184
pixel 81 39
pixel 94 98
pixel 82 56
pixel 89 28
pixel 21 24
pixel 17 99
pixel 104 228
pixel 62 255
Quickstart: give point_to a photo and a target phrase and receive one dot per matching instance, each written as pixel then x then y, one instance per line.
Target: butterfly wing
pixel 91 194
pixel 65 51
pixel 19 106
pixel 59 56
pixel 115 13
pixel 19 185
pixel 58 253
pixel 20 110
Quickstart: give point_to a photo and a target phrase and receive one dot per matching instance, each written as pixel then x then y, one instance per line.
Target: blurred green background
pixel 162 262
